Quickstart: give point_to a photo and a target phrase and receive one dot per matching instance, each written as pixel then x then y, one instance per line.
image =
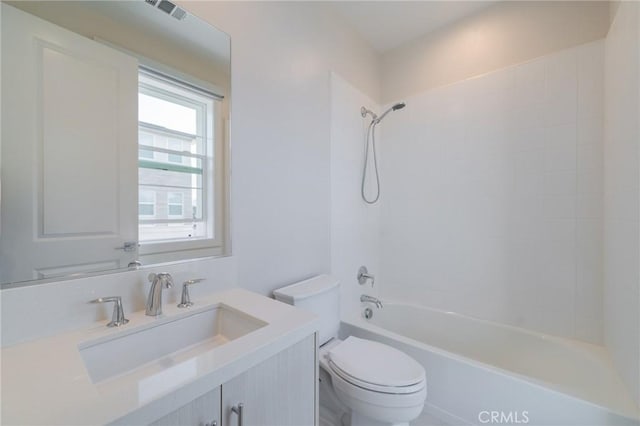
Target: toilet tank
pixel 320 295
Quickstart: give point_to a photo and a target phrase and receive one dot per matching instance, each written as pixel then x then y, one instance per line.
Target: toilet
pixel 362 382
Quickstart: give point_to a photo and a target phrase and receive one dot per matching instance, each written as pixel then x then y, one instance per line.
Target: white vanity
pixel 234 358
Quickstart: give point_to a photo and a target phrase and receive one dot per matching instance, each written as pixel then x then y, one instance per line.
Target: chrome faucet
pixel 371 299
pixel 185 300
pixel 154 301
pixel 117 318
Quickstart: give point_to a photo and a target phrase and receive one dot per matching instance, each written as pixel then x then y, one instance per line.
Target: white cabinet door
pixel 69 151
pixel 200 412
pixel 280 391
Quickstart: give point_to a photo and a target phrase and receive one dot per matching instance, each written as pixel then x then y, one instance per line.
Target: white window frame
pixel 214 181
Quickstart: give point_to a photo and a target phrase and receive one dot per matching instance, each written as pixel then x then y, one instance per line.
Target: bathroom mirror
pixel 113 149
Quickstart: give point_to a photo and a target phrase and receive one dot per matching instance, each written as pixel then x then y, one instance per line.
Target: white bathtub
pixel 479 372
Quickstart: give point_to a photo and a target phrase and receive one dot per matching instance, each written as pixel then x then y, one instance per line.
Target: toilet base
pixel 329 417
pixel 358 419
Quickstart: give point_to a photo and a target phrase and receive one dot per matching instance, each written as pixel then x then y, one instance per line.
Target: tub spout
pixel 371 299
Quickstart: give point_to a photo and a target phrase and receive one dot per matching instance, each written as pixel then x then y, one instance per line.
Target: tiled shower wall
pixel 622 189
pixel 492 196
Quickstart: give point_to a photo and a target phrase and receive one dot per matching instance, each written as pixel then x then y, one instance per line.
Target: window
pixel 179 162
pixel 146 204
pixel 174 203
pixel 145 139
pixel 176 145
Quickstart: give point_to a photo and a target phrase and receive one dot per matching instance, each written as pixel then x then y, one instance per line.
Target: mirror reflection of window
pixel 176 145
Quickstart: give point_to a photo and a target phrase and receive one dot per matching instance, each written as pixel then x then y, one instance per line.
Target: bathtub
pixel 479 372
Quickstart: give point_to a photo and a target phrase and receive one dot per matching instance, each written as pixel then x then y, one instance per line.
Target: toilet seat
pixel 374 367
pixel 348 392
pixel 416 387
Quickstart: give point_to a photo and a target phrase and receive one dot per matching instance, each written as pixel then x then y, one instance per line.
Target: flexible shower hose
pixel 371 131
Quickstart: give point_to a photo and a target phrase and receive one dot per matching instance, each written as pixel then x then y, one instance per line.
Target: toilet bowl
pixel 380 384
pixel 371 383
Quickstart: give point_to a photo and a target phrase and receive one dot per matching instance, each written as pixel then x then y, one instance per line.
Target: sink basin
pixel 170 341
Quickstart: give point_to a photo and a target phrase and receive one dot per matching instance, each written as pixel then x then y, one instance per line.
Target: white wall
pixel 621 201
pixel 491 202
pixel 354 224
pixel 280 131
pixel 504 34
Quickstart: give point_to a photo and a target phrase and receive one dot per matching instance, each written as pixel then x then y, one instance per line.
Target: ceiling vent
pixel 168 8
pixel 179 14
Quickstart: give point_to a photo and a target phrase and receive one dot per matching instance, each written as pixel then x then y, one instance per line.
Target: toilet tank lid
pixel 301 290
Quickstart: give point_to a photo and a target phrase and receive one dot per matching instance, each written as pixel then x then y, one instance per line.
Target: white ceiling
pixel 388 24
pixel 193 35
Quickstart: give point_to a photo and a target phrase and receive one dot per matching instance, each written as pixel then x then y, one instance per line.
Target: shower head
pixel 395 107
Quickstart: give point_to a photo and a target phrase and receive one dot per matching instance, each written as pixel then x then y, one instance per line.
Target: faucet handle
pixel 364 275
pixel 168 279
pixel 193 281
pixel 185 301
pixel 117 318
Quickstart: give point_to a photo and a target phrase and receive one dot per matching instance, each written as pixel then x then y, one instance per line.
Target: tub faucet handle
pixel 364 275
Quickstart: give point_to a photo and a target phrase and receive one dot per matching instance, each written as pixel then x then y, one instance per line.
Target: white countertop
pixel 45 381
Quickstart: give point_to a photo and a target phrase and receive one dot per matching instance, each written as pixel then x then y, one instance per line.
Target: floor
pixel 327 418
pixel 428 420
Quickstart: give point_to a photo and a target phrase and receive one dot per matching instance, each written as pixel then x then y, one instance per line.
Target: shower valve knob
pixel 364 275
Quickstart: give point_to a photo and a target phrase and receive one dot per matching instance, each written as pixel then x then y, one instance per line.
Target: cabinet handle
pixel 239 409
pixel 213 423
